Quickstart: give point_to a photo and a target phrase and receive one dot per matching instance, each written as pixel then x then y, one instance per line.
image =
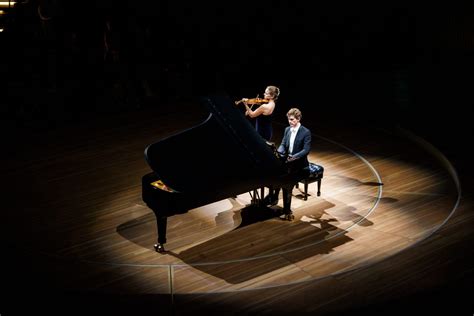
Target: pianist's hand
pixel 290 158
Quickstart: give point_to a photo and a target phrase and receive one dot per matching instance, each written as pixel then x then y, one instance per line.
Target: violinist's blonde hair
pixel 274 91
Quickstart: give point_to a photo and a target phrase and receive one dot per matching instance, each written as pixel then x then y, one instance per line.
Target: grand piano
pixel 219 158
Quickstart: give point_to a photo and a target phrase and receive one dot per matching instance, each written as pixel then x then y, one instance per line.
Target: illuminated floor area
pixel 382 199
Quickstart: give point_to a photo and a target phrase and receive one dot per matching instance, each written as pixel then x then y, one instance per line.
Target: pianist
pixel 294 148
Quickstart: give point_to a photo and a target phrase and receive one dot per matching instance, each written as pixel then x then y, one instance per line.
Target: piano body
pixel 219 158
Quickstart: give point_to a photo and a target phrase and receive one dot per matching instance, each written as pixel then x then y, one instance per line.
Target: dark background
pixel 379 64
pixel 392 62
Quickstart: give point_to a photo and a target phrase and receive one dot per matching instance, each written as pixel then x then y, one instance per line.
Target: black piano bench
pixel 315 174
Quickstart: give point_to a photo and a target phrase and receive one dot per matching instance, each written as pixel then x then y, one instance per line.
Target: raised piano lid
pixel 221 152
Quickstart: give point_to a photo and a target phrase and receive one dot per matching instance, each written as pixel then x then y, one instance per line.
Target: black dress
pixel 263 125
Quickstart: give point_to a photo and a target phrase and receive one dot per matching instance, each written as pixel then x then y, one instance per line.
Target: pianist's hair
pixel 294 112
pixel 274 91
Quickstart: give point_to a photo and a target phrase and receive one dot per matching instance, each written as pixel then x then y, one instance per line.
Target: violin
pixel 253 101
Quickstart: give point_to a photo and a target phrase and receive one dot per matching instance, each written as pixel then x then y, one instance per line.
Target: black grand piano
pixel 219 158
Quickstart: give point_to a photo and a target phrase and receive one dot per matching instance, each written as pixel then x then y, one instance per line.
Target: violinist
pixel 263 113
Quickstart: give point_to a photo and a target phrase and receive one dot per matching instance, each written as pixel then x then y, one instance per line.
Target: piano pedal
pixel 159 248
pixel 287 217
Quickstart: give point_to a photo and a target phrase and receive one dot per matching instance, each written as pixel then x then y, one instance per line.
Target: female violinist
pixel 263 114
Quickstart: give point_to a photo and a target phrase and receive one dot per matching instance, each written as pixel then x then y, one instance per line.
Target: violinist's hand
pixel 245 100
pixel 247 113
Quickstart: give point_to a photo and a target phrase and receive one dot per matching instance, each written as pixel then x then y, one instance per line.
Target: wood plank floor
pixel 390 223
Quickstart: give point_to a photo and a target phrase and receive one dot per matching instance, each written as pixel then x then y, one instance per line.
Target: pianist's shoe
pixel 287 216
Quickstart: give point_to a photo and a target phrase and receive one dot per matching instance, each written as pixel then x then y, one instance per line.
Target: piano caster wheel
pixel 159 248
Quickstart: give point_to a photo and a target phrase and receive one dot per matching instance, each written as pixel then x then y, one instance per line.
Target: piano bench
pixel 315 174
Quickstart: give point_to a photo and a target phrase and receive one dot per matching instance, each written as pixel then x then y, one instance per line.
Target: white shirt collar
pixel 296 128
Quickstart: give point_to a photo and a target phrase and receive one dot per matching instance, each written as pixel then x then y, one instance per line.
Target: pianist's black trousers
pixel 296 172
pixel 287 192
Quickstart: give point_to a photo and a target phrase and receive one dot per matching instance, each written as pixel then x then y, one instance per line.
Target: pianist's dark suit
pixel 297 167
pixel 301 146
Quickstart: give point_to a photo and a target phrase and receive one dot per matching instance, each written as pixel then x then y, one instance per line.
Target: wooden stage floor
pixel 392 224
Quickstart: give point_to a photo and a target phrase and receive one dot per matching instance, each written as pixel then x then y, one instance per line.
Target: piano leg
pixel 161 222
